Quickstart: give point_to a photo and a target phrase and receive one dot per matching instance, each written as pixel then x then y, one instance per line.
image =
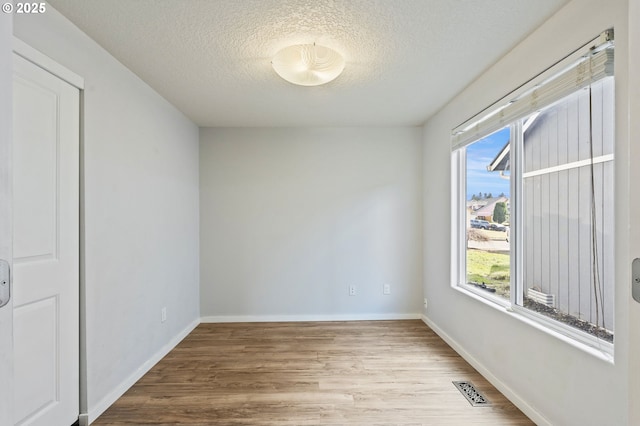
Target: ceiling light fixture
pixel 308 64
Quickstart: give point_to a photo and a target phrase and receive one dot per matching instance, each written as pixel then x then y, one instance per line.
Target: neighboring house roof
pixel 501 161
pixel 476 204
pixel 487 210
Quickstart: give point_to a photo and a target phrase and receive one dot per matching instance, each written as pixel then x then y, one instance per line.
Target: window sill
pixel 578 339
pixel 484 296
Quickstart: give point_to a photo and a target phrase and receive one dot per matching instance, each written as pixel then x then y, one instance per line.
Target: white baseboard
pixel 529 411
pixel 107 401
pixel 301 318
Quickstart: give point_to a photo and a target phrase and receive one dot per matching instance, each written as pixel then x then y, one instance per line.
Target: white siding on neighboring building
pixel 557 203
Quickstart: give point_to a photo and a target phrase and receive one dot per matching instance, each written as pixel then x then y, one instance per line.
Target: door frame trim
pixel 46 63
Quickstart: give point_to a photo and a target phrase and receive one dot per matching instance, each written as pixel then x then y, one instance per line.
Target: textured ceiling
pixel 404 58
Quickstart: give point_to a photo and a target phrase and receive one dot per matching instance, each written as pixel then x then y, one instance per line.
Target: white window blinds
pixel 590 63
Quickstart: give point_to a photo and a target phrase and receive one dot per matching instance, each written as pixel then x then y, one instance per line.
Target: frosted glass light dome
pixel 308 64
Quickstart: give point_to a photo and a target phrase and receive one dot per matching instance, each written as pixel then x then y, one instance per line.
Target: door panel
pixel 633 231
pixel 35 228
pixel 37 367
pixel 6 244
pixel 46 247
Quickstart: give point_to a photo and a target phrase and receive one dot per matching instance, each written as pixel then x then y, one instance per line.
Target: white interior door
pixel 634 208
pixel 6 244
pixel 45 246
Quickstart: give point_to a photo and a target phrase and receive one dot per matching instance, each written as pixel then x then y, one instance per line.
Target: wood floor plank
pixel 315 373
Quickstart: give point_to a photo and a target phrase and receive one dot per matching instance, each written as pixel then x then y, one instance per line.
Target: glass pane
pixel 568 210
pixel 487 216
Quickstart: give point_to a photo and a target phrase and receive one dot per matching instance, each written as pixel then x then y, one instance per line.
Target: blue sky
pixel 479 155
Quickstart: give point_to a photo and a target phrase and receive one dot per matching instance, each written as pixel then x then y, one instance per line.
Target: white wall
pixel 634 205
pixel 140 211
pixel 290 217
pixel 551 380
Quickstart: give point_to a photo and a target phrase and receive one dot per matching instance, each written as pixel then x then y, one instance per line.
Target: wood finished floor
pixel 327 373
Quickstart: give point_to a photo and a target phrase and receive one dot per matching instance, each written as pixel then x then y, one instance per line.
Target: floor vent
pixel 470 392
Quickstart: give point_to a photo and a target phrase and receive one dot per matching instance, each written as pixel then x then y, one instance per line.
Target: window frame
pixel 514 305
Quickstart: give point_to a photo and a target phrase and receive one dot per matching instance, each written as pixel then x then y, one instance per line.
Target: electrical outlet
pixel 386 289
pixel 163 314
pixel 425 303
pixel 352 290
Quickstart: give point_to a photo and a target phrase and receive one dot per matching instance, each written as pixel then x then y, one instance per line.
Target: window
pixel 487 254
pixel 534 188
